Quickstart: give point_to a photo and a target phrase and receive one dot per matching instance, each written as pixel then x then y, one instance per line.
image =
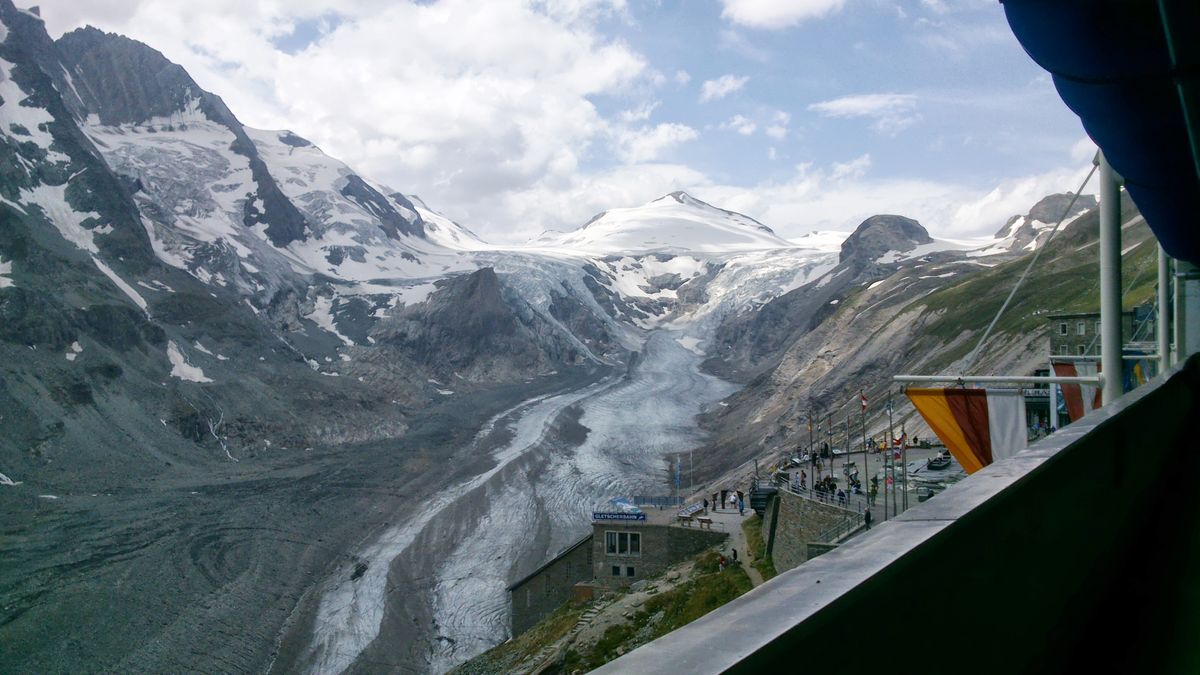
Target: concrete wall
pixel 769 517
pixel 662 546
pixel 538 595
pixel 800 520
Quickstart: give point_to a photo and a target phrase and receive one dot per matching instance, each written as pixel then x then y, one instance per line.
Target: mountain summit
pixel 882 234
pixel 677 222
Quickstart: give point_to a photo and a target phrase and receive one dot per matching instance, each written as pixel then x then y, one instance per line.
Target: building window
pixel 616 569
pixel 623 543
pixel 1097 328
pixel 1081 328
pixel 628 571
pixel 1063 350
pixel 1062 328
pixel 1082 350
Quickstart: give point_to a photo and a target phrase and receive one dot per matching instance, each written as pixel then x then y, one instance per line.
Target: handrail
pixel 832 534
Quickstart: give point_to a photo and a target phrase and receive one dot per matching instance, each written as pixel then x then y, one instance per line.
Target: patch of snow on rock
pixel 6 270
pixel 181 368
pixel 692 344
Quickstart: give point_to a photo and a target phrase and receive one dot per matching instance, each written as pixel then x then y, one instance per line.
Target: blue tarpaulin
pixel 1131 70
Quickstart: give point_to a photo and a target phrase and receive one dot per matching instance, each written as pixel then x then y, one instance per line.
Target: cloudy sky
pixel 513 116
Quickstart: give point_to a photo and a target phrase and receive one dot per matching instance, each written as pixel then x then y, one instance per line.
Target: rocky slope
pixel 923 316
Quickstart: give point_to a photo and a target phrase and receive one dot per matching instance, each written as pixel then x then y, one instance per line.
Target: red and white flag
pixel 1081 399
pixel 863 397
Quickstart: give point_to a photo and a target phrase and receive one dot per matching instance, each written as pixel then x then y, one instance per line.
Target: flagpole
pixel 810 443
pixel 890 449
pixel 904 461
pixel 846 461
pixel 829 439
pixel 863 473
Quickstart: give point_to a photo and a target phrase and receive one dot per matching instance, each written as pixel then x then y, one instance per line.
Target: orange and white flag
pixel 978 426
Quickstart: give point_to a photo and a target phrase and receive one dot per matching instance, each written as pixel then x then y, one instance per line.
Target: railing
pixel 852 503
pixel 660 502
pixel 837 532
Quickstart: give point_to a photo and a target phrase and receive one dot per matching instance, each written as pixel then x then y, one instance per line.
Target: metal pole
pixel 811 457
pixel 1053 422
pixel 1110 281
pixel 890 449
pixel 846 461
pixel 862 473
pixel 1096 380
pixel 904 463
pixel 1164 311
pixel 1187 303
pixel 829 440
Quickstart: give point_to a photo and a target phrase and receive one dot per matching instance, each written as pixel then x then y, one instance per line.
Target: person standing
pixel 867 518
pixel 735 556
pixel 741 505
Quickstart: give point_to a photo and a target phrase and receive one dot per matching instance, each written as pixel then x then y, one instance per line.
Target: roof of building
pixel 586 539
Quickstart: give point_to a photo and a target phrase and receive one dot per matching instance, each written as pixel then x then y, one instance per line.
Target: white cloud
pixel 892 112
pixel 721 87
pixel 855 168
pixel 456 100
pixel 775 14
pixel 740 124
pixel 644 145
pixel 778 127
pixel 1083 151
pixel 682 77
pixel 639 114
pixel 772 153
pixel 731 40
pixel 842 196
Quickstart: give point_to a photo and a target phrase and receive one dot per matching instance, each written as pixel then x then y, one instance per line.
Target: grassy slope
pixel 709 589
pixel 1066 279
pixel 752 526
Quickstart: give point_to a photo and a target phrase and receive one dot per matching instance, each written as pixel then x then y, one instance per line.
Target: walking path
pixel 729 520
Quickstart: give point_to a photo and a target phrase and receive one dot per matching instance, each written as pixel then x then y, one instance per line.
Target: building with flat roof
pixel 626 544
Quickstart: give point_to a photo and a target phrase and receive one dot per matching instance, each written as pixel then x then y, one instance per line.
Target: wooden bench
pixel 705 522
pixel 686 521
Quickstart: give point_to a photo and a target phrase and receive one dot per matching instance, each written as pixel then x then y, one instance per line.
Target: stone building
pixel 545 589
pixel 626 545
pixel 1078 334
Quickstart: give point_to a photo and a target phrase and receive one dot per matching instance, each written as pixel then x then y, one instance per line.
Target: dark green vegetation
pixel 521 649
pixel 707 590
pixel 752 526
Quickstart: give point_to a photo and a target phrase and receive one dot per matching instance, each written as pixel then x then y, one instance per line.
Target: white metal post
pixel 1164 310
pixel 1187 304
pixel 1110 281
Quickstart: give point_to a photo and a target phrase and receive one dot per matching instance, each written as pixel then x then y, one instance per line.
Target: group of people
pixel 826 489
pixel 732 499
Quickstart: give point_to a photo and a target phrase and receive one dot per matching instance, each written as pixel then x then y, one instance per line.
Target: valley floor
pixel 212 567
pixel 433 592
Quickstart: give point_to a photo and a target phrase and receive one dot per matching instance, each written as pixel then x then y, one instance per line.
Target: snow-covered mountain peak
pixel 675 223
